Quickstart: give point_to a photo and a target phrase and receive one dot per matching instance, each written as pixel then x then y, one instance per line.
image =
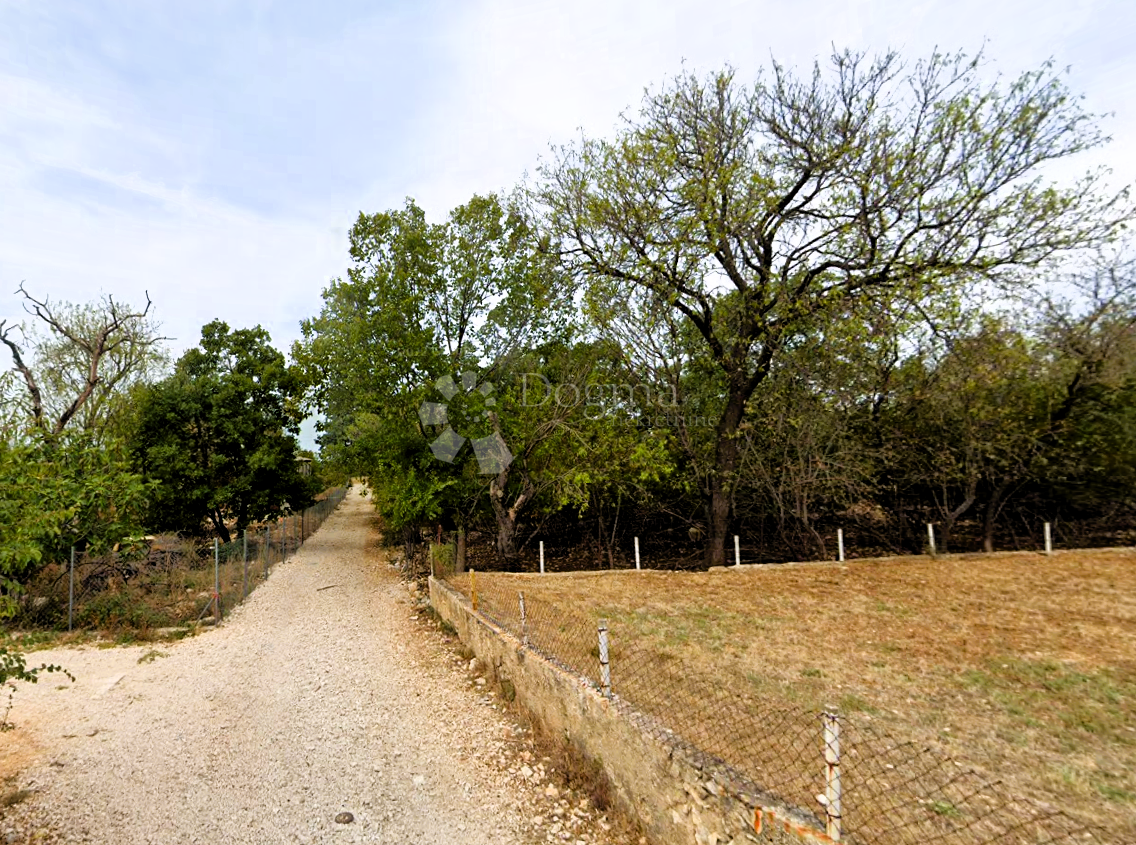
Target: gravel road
pixel 323 694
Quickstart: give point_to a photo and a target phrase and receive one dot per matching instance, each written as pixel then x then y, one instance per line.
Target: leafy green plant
pixel 117 609
pixel 14 668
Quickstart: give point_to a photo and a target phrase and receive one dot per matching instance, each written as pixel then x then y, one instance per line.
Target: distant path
pixel 306 703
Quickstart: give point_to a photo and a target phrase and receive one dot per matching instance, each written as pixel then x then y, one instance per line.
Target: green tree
pixel 759 212
pixel 61 491
pixel 1087 331
pixel 966 421
pixel 219 436
pixel 423 303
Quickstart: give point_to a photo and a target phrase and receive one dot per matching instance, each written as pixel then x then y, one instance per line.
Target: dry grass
pixel 1021 665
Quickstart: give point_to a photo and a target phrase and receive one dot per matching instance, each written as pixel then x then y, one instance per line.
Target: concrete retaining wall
pixel 678 796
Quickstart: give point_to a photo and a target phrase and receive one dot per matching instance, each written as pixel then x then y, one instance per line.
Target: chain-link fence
pixel 171 582
pixel 854 780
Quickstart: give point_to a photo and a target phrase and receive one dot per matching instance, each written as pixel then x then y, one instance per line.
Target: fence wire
pixel 180 582
pixel 892 791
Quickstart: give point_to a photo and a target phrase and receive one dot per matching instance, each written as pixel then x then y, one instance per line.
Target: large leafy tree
pixel 423 303
pixel 219 435
pixel 758 213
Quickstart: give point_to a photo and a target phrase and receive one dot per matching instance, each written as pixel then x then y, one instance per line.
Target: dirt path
pixel 319 696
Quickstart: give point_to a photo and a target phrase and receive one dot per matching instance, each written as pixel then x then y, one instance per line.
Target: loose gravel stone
pixel 303 702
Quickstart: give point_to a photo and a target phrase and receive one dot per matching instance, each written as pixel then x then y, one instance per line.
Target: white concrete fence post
pixel 832 793
pixel 605 664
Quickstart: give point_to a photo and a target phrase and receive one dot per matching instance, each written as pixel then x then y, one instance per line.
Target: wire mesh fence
pixel 852 780
pixel 168 583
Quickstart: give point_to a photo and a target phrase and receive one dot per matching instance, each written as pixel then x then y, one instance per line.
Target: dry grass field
pixel 1020 665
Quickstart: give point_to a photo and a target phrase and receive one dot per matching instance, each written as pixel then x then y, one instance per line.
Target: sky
pixel 215 154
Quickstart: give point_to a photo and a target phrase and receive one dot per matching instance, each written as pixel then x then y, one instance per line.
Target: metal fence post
pixel 637 553
pixel 832 793
pixel 840 544
pixel 245 554
pixel 1048 540
pixel 605 664
pixel 524 622
pixel 216 579
pixel 71 593
pixel 472 590
pixel 931 538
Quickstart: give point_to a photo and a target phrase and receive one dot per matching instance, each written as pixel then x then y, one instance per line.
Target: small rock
pixel 344 818
pixel 551 791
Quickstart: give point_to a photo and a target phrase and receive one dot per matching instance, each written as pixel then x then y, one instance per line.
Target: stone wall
pixel 679 796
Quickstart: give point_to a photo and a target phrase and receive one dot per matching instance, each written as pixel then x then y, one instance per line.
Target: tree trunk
pixel 459 552
pixel 219 524
pixel 507 515
pixel 722 478
pixel 990 518
pixel 950 518
pixel 410 538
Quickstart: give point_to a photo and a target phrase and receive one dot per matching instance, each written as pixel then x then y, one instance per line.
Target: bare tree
pixel 89 353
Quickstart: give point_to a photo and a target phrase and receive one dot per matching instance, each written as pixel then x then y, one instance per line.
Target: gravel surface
pixel 324 695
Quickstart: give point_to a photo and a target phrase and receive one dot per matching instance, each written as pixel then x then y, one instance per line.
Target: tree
pixel 219 435
pixel 757 214
pixel 966 421
pixel 66 478
pixel 422 304
pixel 1088 331
pixel 61 491
pixel 88 358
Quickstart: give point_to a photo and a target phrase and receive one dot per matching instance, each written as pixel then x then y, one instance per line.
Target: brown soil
pixel 1020 665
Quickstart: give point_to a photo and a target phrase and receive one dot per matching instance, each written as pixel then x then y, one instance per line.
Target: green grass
pixel 1041 693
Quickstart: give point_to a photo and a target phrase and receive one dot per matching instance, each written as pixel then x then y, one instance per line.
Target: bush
pixel 119 608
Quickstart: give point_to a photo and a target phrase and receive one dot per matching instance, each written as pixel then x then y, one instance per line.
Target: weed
pixel 116 609
pixel 576 770
pixel 14 797
pixel 946 809
pixel 850 702
pixel 152 655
